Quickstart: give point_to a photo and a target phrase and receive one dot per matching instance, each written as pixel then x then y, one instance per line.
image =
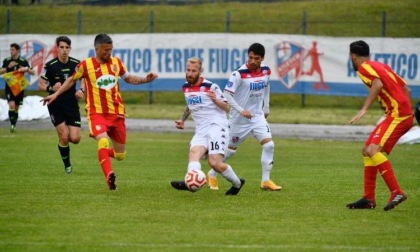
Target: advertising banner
pixel 313 65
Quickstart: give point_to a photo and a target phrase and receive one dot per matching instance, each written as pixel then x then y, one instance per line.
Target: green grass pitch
pixel 44 209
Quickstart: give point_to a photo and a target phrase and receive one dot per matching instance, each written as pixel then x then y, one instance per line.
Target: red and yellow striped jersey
pixel 102 87
pixel 392 97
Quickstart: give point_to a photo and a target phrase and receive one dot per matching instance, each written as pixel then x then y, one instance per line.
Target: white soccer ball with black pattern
pixel 195 180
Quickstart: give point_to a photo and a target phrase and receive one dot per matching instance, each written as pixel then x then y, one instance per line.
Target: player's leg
pixel 11 100
pixel 237 134
pixel 262 133
pixel 391 129
pixel 63 145
pixel 18 100
pixel 98 126
pixel 369 182
pixel 197 149
pixel 216 143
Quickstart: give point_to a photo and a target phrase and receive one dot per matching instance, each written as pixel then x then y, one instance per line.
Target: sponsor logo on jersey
pixel 256 86
pixel 193 100
pixel 106 82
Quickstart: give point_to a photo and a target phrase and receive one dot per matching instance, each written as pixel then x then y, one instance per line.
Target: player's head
pixel 193 70
pixel 256 54
pixel 14 49
pixel 64 39
pixel 63 44
pixel 360 48
pixel 103 47
pixel 359 52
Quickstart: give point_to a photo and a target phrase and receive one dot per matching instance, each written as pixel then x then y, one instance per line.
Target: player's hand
pixel 358 116
pixel 23 69
pixel 245 113
pixel 49 99
pixel 150 77
pixel 211 94
pixel 79 94
pixel 179 124
pixel 56 86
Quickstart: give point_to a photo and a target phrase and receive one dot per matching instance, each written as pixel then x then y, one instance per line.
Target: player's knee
pixel 216 163
pixel 75 139
pixel 119 156
pixel 103 143
pixel 269 147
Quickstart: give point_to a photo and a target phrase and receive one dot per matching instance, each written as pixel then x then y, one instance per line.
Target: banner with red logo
pixel 299 64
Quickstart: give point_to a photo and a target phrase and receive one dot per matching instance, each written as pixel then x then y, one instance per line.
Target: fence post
pixel 8 20
pixel 151 22
pixel 151 30
pixel 227 21
pixel 383 23
pixel 304 24
pixel 79 22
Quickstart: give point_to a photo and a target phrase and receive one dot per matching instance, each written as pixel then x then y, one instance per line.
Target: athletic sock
pixel 230 176
pixel 103 156
pixel 386 171
pixel 194 165
pixel 267 156
pixel 370 173
pixel 13 117
pixel 65 154
pixel 111 152
pixel 213 173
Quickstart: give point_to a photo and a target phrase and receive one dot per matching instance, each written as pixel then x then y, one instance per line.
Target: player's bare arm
pixel 66 86
pixel 373 94
pixel 26 70
pixel 137 80
pixel 179 124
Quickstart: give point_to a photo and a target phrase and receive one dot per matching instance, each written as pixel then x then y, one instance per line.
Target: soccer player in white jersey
pixel 248 94
pixel 208 107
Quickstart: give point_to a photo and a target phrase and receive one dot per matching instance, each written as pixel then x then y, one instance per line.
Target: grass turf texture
pixel 43 209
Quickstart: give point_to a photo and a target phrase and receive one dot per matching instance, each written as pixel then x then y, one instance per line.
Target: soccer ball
pixel 195 180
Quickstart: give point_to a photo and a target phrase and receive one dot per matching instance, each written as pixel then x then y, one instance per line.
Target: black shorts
pixel 10 97
pixel 65 111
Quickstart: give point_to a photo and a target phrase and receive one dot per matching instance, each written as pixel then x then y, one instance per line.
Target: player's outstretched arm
pixel 137 80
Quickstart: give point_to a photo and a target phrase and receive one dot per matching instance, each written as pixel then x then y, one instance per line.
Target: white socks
pixel 267 160
pixel 230 176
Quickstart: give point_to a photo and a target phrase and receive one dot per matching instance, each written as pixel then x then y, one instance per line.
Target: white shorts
pixel 214 138
pixel 238 133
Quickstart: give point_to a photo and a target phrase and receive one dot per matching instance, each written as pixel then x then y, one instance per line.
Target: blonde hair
pixel 194 60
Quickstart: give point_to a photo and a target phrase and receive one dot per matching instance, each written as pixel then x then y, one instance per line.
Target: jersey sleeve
pixel 218 92
pixel 80 70
pixel 234 81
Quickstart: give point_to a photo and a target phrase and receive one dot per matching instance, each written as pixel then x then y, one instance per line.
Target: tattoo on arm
pixel 185 115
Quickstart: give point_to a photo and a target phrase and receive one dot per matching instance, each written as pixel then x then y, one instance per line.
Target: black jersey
pixel 57 71
pixel 19 62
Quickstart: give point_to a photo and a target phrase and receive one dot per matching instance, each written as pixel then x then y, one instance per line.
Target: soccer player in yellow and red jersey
pixel 393 94
pixel 104 105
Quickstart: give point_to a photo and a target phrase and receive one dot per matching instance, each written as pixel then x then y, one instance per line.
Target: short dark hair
pixel 257 49
pixel 102 39
pixel 64 39
pixel 16 46
pixel 360 48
